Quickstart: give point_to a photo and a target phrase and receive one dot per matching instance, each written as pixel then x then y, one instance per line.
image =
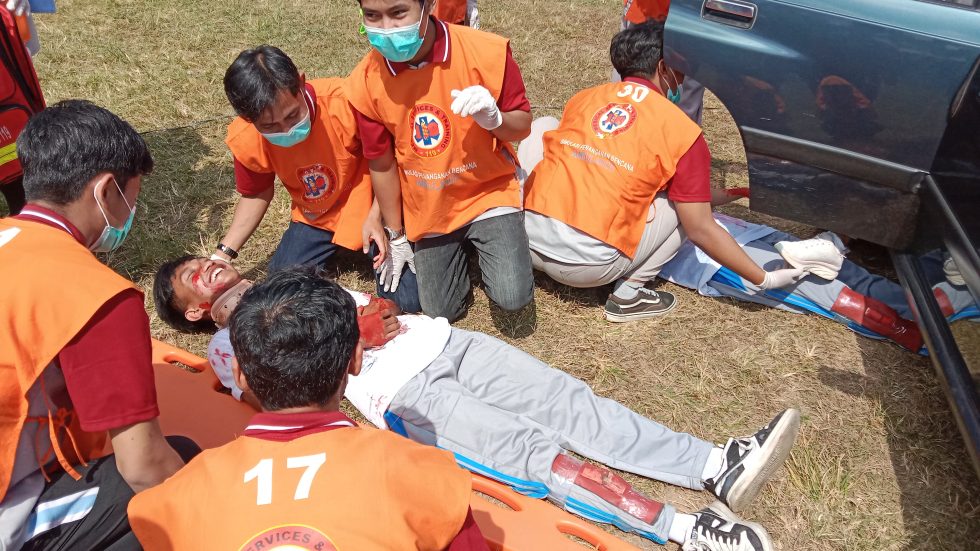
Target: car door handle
pixel 730 12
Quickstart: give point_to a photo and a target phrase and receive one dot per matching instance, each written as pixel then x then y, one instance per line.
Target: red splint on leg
pixel 878 317
pixel 608 486
pixel 945 305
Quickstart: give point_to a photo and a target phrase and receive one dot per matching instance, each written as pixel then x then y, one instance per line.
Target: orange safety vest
pixel 617 146
pixel 353 488
pixel 452 170
pixel 50 287
pixel 638 11
pixel 450 11
pixel 330 187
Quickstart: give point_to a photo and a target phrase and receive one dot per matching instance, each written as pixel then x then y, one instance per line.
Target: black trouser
pixel 105 525
pixel 14 194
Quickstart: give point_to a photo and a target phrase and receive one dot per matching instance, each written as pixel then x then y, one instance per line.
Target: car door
pixel 842 105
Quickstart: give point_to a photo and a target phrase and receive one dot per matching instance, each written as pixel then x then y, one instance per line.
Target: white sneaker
pixel 750 462
pixel 817 256
pixel 837 241
pixel 718 529
pixel 952 272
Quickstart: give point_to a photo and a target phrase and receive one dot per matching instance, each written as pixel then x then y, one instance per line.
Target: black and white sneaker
pixel 646 304
pixel 718 529
pixel 750 461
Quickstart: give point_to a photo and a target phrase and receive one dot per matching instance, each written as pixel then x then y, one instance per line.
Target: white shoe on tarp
pixel 819 257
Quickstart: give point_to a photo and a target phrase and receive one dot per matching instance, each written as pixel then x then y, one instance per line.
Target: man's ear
pixel 354 367
pixel 302 79
pixel 195 313
pixel 101 186
pixel 238 376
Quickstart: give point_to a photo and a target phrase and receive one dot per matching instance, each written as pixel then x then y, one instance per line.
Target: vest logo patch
pixel 431 130
pixel 291 537
pixel 318 181
pixel 614 118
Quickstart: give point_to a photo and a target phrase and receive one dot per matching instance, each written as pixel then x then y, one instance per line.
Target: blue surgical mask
pixel 111 237
pixel 295 135
pixel 399 44
pixel 675 94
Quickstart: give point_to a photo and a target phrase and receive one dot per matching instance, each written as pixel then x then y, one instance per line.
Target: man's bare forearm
pixel 515 127
pixel 249 213
pixel 387 189
pixel 703 231
pixel 144 458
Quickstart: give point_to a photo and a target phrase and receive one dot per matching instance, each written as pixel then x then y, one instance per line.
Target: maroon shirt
pixel 108 366
pixel 692 178
pixel 283 427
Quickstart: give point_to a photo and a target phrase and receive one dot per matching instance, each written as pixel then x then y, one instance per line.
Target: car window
pixel 960 3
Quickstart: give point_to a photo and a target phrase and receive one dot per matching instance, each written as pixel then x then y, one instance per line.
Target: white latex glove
pixel 19 7
pixel 781 278
pixel 477 102
pixel 400 253
pixel 473 14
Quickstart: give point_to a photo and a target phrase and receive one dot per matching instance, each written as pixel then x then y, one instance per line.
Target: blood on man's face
pixel 199 281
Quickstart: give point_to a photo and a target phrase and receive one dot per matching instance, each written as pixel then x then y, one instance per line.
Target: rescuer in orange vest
pixel 302 132
pixel 690 94
pixel 458 12
pixel 438 106
pixel 303 474
pixel 75 358
pixel 621 180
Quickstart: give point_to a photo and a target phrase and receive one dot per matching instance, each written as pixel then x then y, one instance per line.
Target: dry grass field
pixel 879 464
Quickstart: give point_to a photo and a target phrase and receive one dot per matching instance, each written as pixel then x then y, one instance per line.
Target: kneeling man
pixel 623 177
pixel 304 133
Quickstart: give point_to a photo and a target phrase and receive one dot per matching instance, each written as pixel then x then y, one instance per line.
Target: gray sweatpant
pixel 509 415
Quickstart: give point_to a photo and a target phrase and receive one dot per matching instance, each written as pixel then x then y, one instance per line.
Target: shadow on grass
pixel 581 296
pixel 934 474
pixel 182 203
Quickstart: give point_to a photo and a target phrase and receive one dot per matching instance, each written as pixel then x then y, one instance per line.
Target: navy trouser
pixel 302 244
pixel 505 264
pixel 90 513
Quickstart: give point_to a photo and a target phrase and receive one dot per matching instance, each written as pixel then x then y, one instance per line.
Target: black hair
pixel 256 77
pixel 294 336
pixel 636 51
pixel 165 300
pixel 66 145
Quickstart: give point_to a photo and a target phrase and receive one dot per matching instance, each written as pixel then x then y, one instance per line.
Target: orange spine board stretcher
pixel 526 524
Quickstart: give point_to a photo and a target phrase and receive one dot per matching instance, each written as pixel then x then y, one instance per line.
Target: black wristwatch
pixel 232 253
pixel 393 234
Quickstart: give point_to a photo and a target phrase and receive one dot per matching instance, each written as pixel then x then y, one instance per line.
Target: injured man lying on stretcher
pixel 836 288
pixel 509 416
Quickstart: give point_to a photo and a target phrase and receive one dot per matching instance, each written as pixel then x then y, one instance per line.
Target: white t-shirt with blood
pixel 384 370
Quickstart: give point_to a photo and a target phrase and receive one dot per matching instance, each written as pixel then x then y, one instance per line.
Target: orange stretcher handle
pixel 23 27
pixel 532 524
